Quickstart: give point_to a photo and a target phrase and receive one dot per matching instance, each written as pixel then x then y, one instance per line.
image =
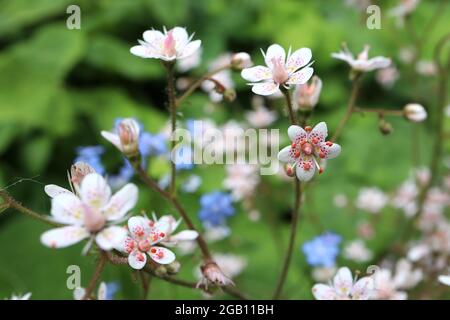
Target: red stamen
pixel 315 140
pixel 322 155
pixel 153 250
pixel 293 145
pixel 307 166
pixel 297 154
pixel 329 143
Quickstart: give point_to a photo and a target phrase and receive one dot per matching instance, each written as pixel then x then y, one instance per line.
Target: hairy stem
pixel 173 121
pixel 96 276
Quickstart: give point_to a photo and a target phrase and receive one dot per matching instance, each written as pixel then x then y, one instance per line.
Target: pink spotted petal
pixel 305 169
pixel 52 190
pixel 285 155
pixel 323 292
pixel 343 282
pixel 296 133
pixel 320 132
pixel 298 59
pixel 139 227
pixel 67 208
pixel 137 259
pixel 64 237
pixel 329 152
pixel 275 52
pixel 301 77
pixel 256 74
pixel 363 289
pixel 161 255
pixel 265 88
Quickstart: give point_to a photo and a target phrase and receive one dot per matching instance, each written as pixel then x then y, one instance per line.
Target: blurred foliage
pixel 60 87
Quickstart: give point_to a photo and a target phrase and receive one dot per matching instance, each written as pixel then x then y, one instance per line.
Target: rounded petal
pixel 323 292
pixel 330 151
pixel 181 37
pixel 102 291
pixel 137 260
pixel 185 235
pixel 285 155
pixel 113 138
pixel 153 37
pixel 343 281
pixel 256 74
pixel 265 88
pixel 139 227
pixel 52 190
pixel 67 208
pixel 190 49
pixel 64 237
pixel 320 131
pixel 95 191
pixel 167 224
pixel 363 289
pixel 161 255
pixel 275 52
pixel 298 59
pixel 296 133
pixel 305 169
pixel 444 280
pixel 378 63
pixel 121 202
pixel 301 77
pixel 143 52
pixel 111 238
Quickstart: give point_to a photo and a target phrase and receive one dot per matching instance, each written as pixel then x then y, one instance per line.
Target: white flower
pixel 144 235
pixel 126 139
pixel 223 77
pixel 357 251
pixel 307 95
pixel 102 293
pixel 89 213
pixel 362 63
pixel 344 288
pixel 279 71
pixel 25 296
pixel 171 239
pixel 260 117
pixel 308 146
pixel 242 180
pixel 241 60
pixel 444 280
pixel 415 112
pixel 426 68
pixel 168 46
pixel 371 200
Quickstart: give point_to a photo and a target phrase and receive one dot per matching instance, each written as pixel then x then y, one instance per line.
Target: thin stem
pixel 350 107
pixel 174 201
pixel 290 249
pixel 145 282
pixel 197 84
pixel 173 121
pixel 295 214
pixel 384 112
pixel 97 273
pixel 10 202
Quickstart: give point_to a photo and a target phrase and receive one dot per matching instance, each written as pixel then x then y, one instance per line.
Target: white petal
pixel 265 88
pixel 320 131
pixel 78 293
pixel 378 63
pixel 185 235
pixel 153 37
pixel 111 238
pixel 330 152
pixel 143 52
pixel 63 237
pixel 302 173
pixel 298 59
pixel 256 74
pixel 275 52
pixel 137 260
pixel 95 191
pixel 102 290
pixel 444 280
pixel 323 292
pixel 363 289
pixel 301 77
pixel 343 281
pixel 181 37
pixel 162 255
pixel 190 49
pixel 113 138
pixel 296 133
pixel 52 190
pixel 285 155
pixel 139 227
pixel 121 202
pixel 167 224
pixel 67 208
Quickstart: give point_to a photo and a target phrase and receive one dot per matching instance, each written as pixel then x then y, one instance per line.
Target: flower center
pixel 169 45
pixel 279 74
pixel 93 219
pixel 144 245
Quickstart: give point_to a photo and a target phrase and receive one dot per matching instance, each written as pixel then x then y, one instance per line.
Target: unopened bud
pixel 307 95
pixel 385 127
pixel 289 169
pixel 241 60
pixel 173 268
pixel 229 95
pixel 213 274
pixel 415 112
pixel 161 271
pixel 77 173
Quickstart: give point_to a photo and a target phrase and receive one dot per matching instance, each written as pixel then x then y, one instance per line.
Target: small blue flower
pixel 215 208
pixel 92 156
pixel 191 184
pixel 111 290
pixel 126 172
pixel 152 145
pixel 323 250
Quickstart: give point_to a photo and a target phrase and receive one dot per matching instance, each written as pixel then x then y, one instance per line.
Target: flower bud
pixel 289 170
pixel 128 132
pixel 307 95
pixel 241 60
pixel 173 268
pixel 229 95
pixel 415 112
pixel 385 127
pixel 161 271
pixel 77 173
pixel 213 274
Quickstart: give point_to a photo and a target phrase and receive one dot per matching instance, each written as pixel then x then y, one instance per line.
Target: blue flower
pixel 126 172
pixel 152 145
pixel 111 290
pixel 323 250
pixel 215 208
pixel 92 156
pixel 184 158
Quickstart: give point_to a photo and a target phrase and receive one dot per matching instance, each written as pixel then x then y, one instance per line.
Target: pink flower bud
pixel 241 60
pixel 307 95
pixel 128 132
pixel 213 274
pixel 77 173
